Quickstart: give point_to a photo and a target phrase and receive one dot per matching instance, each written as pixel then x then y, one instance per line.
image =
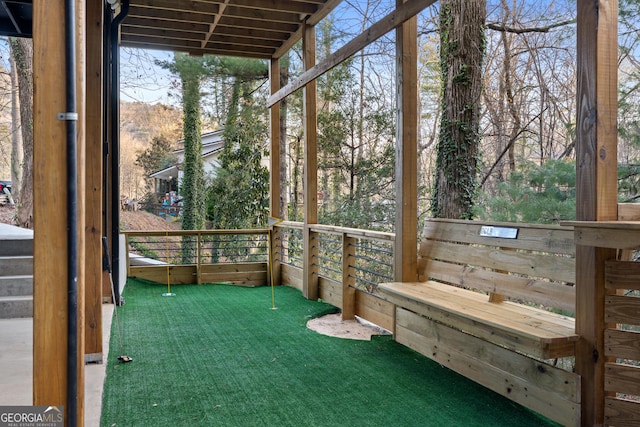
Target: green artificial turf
pixel 217 355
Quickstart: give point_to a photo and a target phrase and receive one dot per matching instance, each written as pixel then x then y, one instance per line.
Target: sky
pixel 144 81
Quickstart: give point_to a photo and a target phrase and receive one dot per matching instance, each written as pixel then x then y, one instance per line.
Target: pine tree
pixel 239 194
pixel 191 71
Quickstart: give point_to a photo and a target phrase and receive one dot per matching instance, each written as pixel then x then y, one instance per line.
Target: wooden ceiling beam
pixel 195 47
pixel 161 34
pixel 197 51
pixel 144 22
pixel 264 52
pixel 252 33
pixel 312 20
pixel 306 8
pixel 210 8
pixel 246 41
pixel 173 43
pixel 263 25
pixel 142 26
pixel 214 24
pixel 262 15
pixel 259 23
pixel 170 15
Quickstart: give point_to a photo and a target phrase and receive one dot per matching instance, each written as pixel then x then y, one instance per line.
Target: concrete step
pixel 16 265
pixel 13 286
pixel 14 246
pixel 13 307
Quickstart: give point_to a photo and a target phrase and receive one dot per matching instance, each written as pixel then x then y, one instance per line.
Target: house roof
pixel 166 173
pixel 242 28
pixel 211 142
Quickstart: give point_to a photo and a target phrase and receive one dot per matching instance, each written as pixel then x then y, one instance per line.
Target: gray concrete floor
pixel 16 366
pixel 16 355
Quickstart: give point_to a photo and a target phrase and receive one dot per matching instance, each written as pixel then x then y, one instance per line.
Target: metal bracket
pixel 68 116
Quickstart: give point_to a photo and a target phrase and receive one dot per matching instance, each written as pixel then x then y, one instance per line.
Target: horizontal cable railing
pixel 370 253
pixel 180 247
pixel 290 242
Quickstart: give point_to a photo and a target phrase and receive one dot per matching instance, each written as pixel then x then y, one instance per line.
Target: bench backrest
pixel 523 262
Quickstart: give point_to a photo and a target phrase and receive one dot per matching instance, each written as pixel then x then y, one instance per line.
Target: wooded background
pixel 526 109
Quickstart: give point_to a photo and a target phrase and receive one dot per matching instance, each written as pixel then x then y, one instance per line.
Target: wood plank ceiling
pixel 243 28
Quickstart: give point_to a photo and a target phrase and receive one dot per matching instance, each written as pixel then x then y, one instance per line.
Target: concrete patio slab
pixel 16 366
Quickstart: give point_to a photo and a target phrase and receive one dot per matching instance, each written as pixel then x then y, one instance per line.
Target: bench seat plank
pixel 520 328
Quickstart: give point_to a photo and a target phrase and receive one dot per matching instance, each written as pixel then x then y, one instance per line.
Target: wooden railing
pixel 615 318
pixel 349 264
pixel 199 256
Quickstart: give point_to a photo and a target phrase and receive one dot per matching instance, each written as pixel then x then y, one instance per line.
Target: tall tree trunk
pixel 462 46
pixel 296 147
pixel 284 194
pixel 22 52
pixel 508 90
pixel 192 187
pixel 16 134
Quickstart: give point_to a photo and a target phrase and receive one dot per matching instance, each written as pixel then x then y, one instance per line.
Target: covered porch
pixel 80 40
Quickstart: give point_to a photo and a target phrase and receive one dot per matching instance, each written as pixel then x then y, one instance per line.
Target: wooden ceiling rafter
pixel 216 20
pixel 245 28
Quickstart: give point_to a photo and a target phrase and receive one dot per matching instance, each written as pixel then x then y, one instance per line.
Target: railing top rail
pixel 193 232
pixel 290 224
pixel 350 232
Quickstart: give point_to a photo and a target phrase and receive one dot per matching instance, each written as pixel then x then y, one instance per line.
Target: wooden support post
pixel 107 169
pixel 81 141
pixel 199 259
pixel 275 196
pixel 596 188
pixel 406 245
pixel 310 247
pixel 274 155
pixel 348 277
pixel 275 246
pixel 93 226
pixel 126 254
pixel 51 242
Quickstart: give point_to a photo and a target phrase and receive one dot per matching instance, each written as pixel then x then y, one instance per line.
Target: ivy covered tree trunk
pixel 192 190
pixel 462 47
pixel 239 193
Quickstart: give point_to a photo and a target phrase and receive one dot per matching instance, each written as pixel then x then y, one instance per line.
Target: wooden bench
pixel 483 308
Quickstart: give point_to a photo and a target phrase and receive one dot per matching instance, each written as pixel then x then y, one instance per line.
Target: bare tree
pixel 22 54
pixel 16 134
pixel 529 92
